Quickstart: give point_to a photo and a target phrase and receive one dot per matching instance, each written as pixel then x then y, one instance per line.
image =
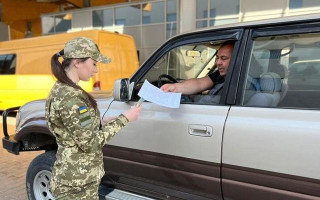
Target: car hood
pixel 33 113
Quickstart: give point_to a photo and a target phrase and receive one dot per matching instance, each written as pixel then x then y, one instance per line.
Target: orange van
pixel 25 69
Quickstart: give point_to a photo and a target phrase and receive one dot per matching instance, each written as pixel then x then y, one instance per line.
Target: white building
pixel 152 22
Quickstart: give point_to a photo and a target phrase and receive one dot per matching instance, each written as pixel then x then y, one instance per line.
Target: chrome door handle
pixel 200 130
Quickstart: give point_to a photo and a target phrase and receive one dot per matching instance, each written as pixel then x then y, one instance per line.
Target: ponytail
pixel 58 70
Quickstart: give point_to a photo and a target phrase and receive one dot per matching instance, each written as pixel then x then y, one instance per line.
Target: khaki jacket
pixel 76 126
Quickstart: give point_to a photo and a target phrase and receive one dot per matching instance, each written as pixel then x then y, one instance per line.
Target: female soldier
pixel 73 117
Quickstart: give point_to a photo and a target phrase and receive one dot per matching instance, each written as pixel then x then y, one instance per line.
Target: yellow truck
pixel 25 69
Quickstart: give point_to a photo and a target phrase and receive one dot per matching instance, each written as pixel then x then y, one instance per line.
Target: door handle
pixel 200 130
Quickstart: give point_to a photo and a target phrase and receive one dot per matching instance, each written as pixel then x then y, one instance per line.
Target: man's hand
pixel 169 87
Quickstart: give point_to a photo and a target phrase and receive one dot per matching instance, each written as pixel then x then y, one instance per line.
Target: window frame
pixel 303 27
pixel 192 38
pixel 207 20
pixel 14 59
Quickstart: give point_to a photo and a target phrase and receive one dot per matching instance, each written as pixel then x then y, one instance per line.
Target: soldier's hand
pixel 133 113
pixel 106 120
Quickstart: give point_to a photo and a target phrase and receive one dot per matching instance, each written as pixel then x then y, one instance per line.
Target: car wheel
pixel 39 175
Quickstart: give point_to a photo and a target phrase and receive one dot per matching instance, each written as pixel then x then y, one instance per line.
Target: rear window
pixel 284 72
pixel 7 63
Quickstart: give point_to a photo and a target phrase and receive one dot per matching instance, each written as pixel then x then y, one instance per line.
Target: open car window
pixel 182 63
pixel 185 62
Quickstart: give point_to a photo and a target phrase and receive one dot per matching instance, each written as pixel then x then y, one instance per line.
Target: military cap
pixel 82 47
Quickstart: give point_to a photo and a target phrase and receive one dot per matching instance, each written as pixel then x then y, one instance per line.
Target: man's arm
pixel 191 86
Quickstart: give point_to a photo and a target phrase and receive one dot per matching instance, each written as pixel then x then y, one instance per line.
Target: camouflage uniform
pixel 76 125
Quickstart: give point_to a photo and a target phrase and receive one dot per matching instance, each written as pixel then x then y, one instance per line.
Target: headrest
pixel 270 82
pixel 279 69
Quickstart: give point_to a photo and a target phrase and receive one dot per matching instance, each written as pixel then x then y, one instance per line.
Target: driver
pixel 213 81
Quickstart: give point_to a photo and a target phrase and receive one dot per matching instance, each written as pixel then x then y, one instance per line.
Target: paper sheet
pixel 157 96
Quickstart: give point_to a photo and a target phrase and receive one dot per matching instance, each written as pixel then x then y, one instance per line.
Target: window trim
pixel 288 29
pixel 197 37
pixel 15 57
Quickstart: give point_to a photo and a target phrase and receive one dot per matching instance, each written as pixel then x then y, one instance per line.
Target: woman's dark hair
pixel 58 70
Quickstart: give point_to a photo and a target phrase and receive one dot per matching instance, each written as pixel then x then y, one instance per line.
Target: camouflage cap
pixel 82 47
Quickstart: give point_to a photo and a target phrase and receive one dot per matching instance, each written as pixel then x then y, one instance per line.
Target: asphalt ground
pixel 13 168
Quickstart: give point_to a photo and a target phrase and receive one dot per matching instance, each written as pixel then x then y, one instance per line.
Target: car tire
pixel 39 175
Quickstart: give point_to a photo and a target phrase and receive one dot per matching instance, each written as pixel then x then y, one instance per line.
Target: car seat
pixel 269 94
pixel 282 71
pixel 252 85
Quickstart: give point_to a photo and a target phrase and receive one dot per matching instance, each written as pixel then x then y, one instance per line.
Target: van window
pixel 284 71
pixel 7 64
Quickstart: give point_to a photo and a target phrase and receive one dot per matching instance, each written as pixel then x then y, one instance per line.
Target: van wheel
pixel 39 175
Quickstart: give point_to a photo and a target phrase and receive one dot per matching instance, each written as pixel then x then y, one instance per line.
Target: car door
pixel 271 138
pixel 173 153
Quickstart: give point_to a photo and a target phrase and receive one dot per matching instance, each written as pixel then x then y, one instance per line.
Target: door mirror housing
pixel 122 89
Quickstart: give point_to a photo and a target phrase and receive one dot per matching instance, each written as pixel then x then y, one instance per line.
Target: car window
pixel 182 63
pixel 185 62
pixel 284 71
pixel 7 64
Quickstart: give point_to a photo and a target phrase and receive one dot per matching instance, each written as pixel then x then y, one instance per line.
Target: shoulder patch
pixel 83 109
pixel 84 116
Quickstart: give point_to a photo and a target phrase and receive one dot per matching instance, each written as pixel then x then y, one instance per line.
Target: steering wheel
pixel 170 78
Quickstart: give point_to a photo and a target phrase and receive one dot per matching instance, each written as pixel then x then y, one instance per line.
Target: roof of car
pixel 273 21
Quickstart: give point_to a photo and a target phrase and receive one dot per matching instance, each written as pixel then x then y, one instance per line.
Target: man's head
pixel 223 57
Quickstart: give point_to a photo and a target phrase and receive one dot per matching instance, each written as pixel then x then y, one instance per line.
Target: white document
pixel 157 96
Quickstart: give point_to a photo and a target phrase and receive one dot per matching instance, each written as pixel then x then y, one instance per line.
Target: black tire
pixel 39 175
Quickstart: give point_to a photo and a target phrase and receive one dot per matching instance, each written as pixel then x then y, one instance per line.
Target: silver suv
pixel 259 142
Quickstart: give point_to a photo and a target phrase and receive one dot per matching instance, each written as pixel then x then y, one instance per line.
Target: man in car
pixel 213 81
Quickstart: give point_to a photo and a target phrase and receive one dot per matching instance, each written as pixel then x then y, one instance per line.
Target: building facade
pixel 152 22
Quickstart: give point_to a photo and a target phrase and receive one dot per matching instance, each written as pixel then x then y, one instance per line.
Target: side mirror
pixel 122 90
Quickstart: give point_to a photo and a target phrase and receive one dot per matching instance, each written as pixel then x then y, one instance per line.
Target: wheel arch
pixel 34 138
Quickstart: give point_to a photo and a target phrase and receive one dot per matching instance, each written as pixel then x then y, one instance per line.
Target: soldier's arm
pixel 113 127
pixel 83 129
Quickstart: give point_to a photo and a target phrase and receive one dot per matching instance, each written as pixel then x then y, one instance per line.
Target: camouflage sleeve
pixel 114 126
pixel 83 124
